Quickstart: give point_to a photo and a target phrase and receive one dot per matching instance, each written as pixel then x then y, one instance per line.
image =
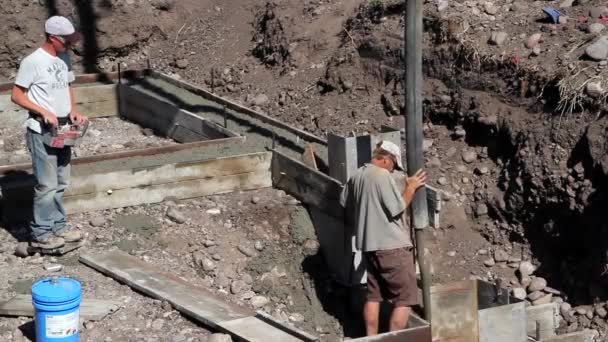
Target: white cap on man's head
pixel 393 149
pixel 61 26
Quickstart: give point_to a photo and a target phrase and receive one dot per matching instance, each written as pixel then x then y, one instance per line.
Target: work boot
pixel 52 242
pixel 71 235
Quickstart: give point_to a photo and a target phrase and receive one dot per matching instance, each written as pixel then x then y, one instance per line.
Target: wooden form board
pixel 90 79
pixel 90 309
pixel 92 101
pixel 152 184
pixel 307 185
pixel 167 119
pixel 194 301
pixel 183 180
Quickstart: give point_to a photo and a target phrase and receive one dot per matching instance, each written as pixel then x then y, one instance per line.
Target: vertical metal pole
pixel 119 79
pixel 415 160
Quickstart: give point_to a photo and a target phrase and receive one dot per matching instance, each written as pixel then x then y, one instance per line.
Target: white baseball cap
pixel 61 26
pixel 393 149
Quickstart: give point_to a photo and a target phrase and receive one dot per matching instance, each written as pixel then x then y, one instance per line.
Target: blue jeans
pixel 51 168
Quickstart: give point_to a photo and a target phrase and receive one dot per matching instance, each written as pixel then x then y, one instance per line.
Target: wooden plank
pixel 307 185
pixel 542 321
pixel 84 79
pixel 147 111
pixel 90 309
pixel 169 173
pixel 144 152
pixel 92 101
pixel 454 315
pixel 100 109
pixel 302 335
pixel 157 193
pixel 194 301
pixel 90 94
pixel 253 329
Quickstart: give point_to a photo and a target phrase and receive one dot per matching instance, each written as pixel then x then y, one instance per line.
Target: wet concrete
pixel 142 225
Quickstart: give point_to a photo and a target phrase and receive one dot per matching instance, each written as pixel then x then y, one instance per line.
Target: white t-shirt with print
pixel 47 80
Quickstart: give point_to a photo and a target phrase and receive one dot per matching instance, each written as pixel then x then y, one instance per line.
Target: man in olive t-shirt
pixel 375 207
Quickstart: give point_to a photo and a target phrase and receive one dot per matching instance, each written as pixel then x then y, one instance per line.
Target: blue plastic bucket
pixel 56 309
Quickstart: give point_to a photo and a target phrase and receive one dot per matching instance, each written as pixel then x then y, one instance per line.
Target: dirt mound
pixel 272 45
pixel 111 30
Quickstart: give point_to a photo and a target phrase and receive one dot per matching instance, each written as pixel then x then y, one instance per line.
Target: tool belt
pixel 64 134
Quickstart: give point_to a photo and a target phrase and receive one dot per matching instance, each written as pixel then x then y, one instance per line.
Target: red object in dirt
pixel 604 18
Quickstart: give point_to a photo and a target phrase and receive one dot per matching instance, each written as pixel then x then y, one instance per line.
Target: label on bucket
pixel 62 325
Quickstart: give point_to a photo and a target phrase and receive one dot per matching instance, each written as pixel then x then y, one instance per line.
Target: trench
pixel 551 191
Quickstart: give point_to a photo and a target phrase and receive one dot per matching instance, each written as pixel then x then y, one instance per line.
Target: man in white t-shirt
pixel 42 87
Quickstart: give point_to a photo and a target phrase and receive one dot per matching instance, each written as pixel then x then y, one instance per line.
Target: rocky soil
pixel 515 122
pixel 255 249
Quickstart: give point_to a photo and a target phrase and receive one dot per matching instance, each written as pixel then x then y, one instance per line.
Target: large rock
pixel 259 301
pixel 537 284
pixel 595 28
pixel 526 268
pixel 490 8
pixel 533 296
pixel 259 100
pixel 500 255
pixel 546 299
pixel 594 89
pixel 176 216
pixel 519 293
pixel 598 50
pixel 469 156
pixel 596 12
pixel 21 250
pixel 534 40
pixel 237 286
pixel 498 38
pixel 481 210
pixel 601 311
pixel 208 265
pixel 246 250
pixel 158 324
pixel 97 221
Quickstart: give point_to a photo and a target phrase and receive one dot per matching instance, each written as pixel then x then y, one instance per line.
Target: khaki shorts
pixel 391 276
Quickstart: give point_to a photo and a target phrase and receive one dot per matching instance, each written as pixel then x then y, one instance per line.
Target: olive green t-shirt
pixel 375 208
